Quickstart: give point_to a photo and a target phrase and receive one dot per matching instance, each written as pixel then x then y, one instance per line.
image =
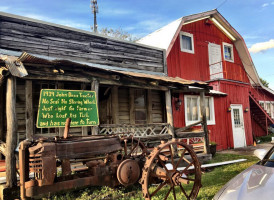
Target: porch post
pixel 115 104
pixel 95 87
pixel 266 127
pixel 29 110
pixel 11 140
pixel 203 111
pixel 169 116
pixel 1 115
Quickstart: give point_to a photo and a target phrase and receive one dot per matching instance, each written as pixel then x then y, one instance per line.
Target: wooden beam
pixel 133 85
pixel 149 107
pixel 131 106
pixel 203 111
pixel 11 140
pixel 115 104
pixel 169 116
pixel 84 128
pixel 29 110
pixel 95 87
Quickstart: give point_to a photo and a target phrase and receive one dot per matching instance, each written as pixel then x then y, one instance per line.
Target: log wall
pixel 63 42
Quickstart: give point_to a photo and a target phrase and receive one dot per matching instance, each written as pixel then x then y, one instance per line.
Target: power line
pixel 221 4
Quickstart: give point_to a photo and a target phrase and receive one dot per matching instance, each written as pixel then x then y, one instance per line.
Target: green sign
pixel 55 106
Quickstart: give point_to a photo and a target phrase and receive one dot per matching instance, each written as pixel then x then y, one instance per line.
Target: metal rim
pixel 156 171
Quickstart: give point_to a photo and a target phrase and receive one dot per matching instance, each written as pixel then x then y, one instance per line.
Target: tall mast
pixel 94 8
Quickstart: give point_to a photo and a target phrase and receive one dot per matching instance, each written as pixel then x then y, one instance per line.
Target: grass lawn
pixel 212 181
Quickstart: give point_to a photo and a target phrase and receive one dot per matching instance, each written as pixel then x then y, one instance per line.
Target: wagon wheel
pixel 133 147
pixel 174 168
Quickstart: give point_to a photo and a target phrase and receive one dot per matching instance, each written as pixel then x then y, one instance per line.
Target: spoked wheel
pixel 133 147
pixel 171 170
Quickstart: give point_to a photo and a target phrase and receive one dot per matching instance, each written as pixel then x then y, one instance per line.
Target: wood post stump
pixel 11 140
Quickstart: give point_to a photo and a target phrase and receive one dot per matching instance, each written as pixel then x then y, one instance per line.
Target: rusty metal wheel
pixel 133 148
pixel 171 168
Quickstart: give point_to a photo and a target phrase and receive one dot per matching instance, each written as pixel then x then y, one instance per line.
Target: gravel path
pixel 248 150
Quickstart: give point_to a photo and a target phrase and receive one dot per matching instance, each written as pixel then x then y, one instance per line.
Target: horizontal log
pixel 188 127
pixel 189 134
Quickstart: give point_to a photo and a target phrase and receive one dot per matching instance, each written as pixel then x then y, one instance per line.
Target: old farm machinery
pixel 49 165
pixel 45 166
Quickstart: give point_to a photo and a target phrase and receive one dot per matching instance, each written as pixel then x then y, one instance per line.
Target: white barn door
pixel 215 61
pixel 238 126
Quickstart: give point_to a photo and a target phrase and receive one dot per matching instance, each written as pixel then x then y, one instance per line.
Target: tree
pixel 117 33
pixel 264 82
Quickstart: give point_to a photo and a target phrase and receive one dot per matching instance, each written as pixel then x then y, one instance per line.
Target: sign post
pixel 55 106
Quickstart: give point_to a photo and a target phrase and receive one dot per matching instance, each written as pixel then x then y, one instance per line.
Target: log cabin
pixel 206 47
pixel 133 90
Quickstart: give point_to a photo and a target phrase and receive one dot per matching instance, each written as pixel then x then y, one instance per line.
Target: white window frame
pixel 211 107
pixel 271 107
pixel 232 53
pixel 181 42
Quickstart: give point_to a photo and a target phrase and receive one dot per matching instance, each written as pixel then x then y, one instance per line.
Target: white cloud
pixel 265 5
pixel 4 8
pixel 60 21
pixel 152 24
pixel 116 12
pixel 262 46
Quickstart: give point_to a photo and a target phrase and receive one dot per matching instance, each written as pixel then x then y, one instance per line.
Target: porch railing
pixel 137 130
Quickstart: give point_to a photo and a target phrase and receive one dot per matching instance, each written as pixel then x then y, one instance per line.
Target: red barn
pixel 206 47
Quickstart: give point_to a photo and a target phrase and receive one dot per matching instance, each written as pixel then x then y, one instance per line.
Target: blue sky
pixel 253 19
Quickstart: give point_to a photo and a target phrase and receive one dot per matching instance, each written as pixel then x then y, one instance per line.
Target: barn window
pixel 268 107
pixel 228 52
pixel 193 111
pixel 186 41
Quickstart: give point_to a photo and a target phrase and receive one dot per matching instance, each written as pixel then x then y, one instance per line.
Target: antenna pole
pixel 94 8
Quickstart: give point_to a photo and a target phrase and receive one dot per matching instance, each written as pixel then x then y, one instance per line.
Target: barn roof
pixel 166 36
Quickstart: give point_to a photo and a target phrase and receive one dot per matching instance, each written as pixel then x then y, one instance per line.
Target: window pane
pixel 189 118
pixel 140 116
pixel 237 121
pixel 228 54
pixel 140 106
pixel 139 99
pixel 186 40
pixel 194 109
pixel 207 106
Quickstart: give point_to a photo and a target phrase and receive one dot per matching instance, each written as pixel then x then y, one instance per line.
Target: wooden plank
pixel 95 87
pixel 115 104
pixel 131 106
pixel 169 112
pixel 203 111
pixel 29 110
pixel 11 139
pixel 149 107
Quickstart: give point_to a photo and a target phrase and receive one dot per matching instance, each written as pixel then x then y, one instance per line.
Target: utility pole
pixel 94 8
